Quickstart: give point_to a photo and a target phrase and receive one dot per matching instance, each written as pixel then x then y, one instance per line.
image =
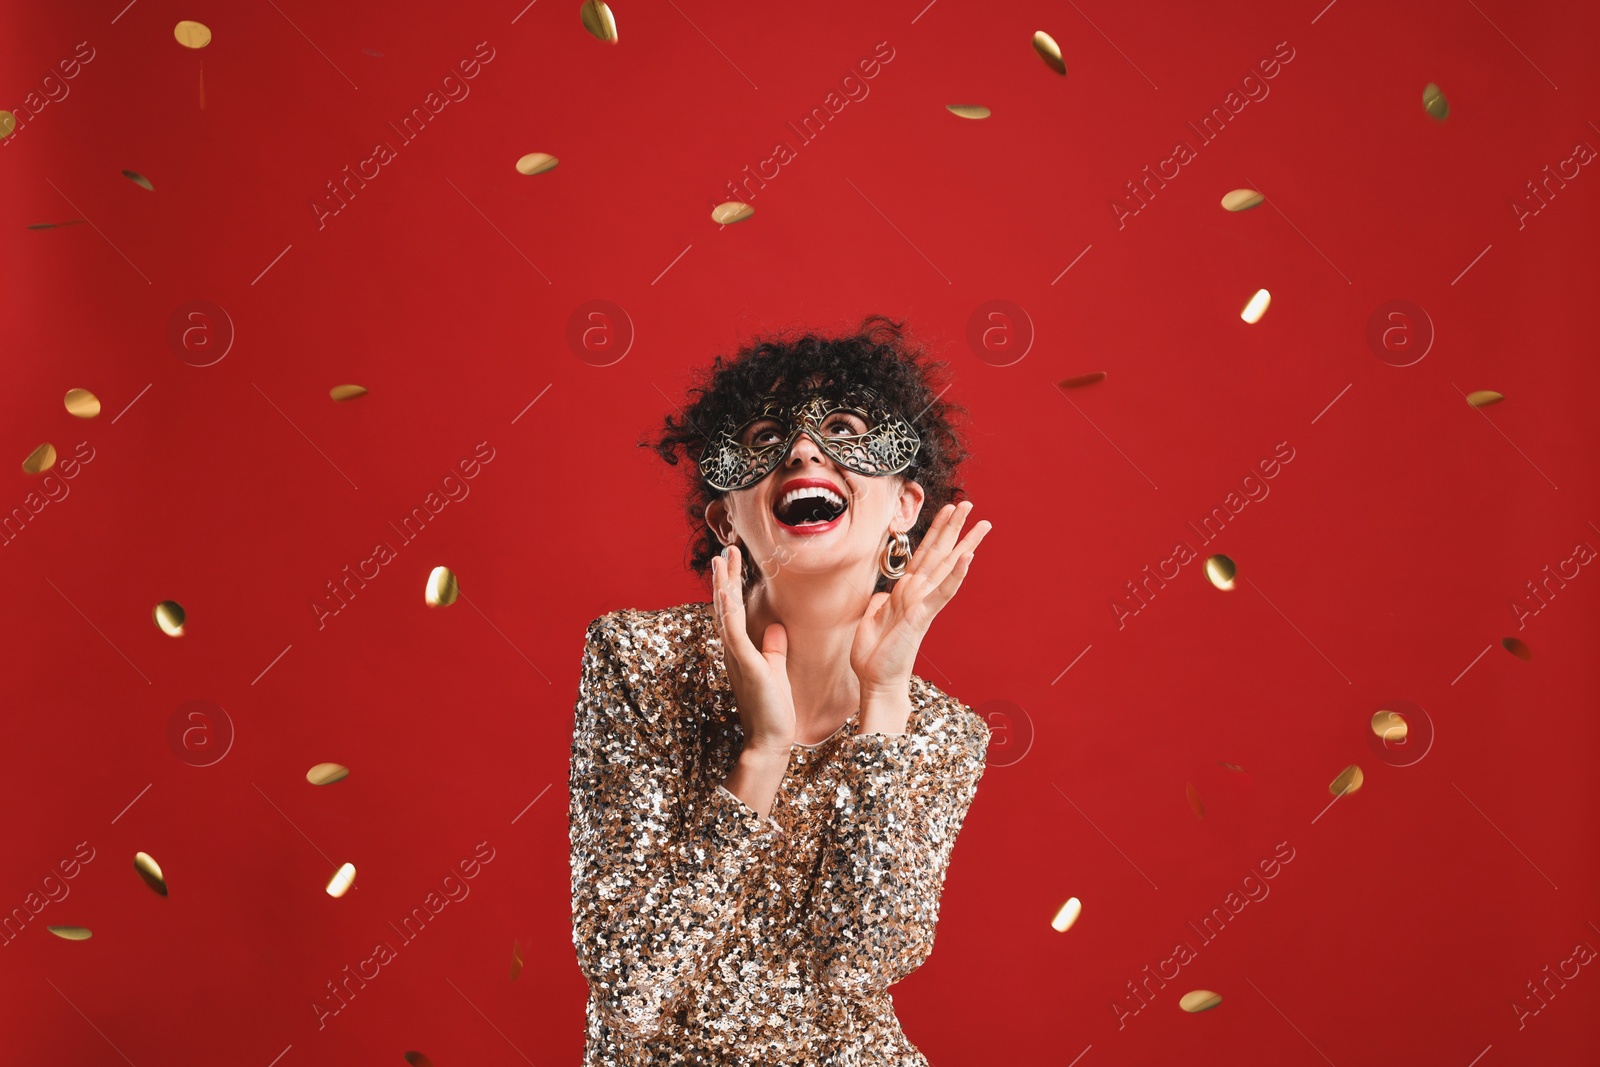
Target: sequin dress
pixel 712 935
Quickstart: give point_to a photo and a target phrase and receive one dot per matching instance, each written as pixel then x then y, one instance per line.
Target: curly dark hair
pixel 879 356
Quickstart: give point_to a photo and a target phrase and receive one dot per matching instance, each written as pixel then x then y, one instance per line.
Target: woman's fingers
pixel 968 544
pixel 934 554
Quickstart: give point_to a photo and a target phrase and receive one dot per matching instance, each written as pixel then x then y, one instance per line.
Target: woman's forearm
pixel 755 778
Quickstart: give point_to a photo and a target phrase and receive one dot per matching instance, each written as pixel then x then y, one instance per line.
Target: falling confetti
pixel 169 617
pixel 82 403
pixel 536 163
pixel 327 773
pixel 1257 307
pixel 40 459
pixel 347 392
pixel 1049 51
pixel 150 871
pixel 731 211
pixel 1199 1000
pixel 598 20
pixel 1434 103
pixel 1484 397
pixel 1221 571
pixel 442 588
pixel 968 111
pixel 138 179
pixel 1242 200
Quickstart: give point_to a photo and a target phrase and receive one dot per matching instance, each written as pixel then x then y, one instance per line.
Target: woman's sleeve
pixel 897 812
pixel 654 890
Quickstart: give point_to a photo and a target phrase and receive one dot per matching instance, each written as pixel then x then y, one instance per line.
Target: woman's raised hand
pixel 760 677
pixel 886 641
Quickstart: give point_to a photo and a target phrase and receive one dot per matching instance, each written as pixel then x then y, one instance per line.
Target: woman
pixel 764 798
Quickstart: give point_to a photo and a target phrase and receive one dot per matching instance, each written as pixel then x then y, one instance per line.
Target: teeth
pixel 827 494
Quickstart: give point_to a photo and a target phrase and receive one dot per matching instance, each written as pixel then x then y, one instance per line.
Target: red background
pixel 1382 566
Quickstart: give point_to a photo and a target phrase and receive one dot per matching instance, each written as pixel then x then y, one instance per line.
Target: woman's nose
pixel 803 449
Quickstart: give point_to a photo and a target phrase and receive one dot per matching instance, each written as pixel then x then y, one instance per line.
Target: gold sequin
pixel 712 935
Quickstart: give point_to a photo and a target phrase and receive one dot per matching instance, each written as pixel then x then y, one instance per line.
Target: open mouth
pixel 809 505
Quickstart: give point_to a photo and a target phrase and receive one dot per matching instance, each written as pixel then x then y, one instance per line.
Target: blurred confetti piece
pixel 442 589
pixel 1195 806
pixel 169 617
pixel 1434 103
pixel 1517 648
pixel 731 211
pixel 341 880
pixel 1199 1000
pixel 968 111
pixel 1242 200
pixel 373 52
pixel 138 179
pixel 150 871
pixel 192 34
pixel 1221 570
pixel 516 960
pixel 327 773
pixel 1484 397
pixel 8 124
pixel 53 225
pixel 598 20
pixel 40 459
pixel 1232 767
pixel 1049 51
pixel 71 933
pixel 82 403
pixel 1257 307
pixel 1349 781
pixel 417 1059
pixel 536 163
pixel 347 392
pixel 1067 915
pixel 1081 380
pixel 1389 725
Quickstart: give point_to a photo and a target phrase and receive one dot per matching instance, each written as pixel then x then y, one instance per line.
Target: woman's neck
pixel 819 614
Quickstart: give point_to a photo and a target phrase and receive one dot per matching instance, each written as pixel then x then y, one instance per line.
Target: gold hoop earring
pixel 896 554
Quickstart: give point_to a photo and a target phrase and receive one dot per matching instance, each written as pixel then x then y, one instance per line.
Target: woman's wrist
pixel 885 708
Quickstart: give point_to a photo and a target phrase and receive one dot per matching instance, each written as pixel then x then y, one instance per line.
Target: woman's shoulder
pixel 652 636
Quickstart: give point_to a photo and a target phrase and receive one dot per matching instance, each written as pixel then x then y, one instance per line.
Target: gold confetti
pixel 1348 781
pixel 82 403
pixel 138 179
pixel 1389 725
pixel 40 459
pixel 1049 51
pixel 1517 648
pixel 71 933
pixel 731 211
pixel 1242 200
pixel 1199 1000
pixel 968 111
pixel 1067 915
pixel 598 20
pixel 342 879
pixel 169 616
pixel 536 163
pixel 150 871
pixel 1195 806
pixel 1221 571
pixel 1257 307
pixel 327 773
pixel 8 124
pixel 347 392
pixel 516 960
pixel 1484 397
pixel 192 34
pixel 1081 380
pixel 1434 103
pixel 442 589
pixel 1232 767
